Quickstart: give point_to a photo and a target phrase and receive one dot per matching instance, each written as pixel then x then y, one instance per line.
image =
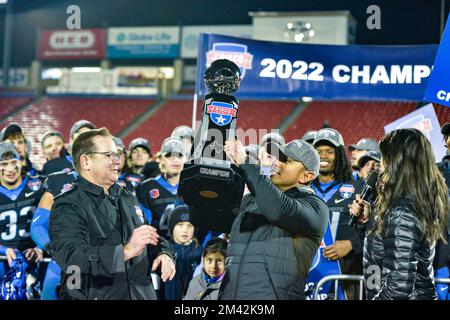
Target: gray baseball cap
pixel 371 155
pixel 81 124
pixel 172 145
pixel 331 135
pixel 272 137
pixel 183 132
pixel 301 151
pixel 6 147
pixel 8 130
pixel 119 143
pixel 139 142
pixel 49 134
pixel 309 136
pixel 364 144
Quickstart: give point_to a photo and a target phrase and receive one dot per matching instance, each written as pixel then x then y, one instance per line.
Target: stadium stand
pixel 443 113
pixel 9 104
pixel 59 113
pixel 355 120
pixel 254 114
pixel 160 125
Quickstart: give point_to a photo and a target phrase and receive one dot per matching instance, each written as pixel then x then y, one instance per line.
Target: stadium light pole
pixel 7 40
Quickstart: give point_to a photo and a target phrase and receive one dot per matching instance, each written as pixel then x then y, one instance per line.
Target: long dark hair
pixel 342 168
pixel 410 171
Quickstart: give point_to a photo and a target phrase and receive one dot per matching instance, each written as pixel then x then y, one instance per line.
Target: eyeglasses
pixel 110 155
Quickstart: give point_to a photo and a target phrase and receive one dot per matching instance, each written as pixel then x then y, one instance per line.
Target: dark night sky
pixel 402 21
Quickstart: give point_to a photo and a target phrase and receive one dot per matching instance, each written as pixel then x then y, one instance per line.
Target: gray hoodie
pixel 200 290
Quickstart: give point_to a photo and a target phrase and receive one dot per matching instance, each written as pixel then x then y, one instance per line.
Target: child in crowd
pixel 206 285
pixel 188 253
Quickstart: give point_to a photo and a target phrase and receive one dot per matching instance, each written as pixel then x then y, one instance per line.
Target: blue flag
pixel 438 89
pixel 322 267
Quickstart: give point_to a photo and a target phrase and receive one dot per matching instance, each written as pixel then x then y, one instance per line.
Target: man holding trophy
pixel 276 230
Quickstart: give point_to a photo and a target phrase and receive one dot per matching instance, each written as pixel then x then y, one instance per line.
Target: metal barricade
pixel 336 278
pixel 346 277
pixel 45 260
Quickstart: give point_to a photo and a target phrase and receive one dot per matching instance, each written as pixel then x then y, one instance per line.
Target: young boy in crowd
pixel 188 253
pixel 206 285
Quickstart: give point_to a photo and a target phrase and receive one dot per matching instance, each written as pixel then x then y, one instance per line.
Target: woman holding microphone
pixel 405 221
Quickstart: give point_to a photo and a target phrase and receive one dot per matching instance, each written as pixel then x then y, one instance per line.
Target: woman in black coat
pixel 406 220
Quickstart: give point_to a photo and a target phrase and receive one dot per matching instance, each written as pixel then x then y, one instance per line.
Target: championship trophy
pixel 210 184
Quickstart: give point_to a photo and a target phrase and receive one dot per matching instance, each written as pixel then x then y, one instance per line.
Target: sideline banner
pixel 425 120
pixel 325 72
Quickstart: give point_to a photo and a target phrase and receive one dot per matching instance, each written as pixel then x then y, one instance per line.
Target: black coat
pixel 273 241
pixel 402 255
pixel 88 230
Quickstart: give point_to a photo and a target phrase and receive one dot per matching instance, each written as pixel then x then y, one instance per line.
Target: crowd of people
pixel 110 221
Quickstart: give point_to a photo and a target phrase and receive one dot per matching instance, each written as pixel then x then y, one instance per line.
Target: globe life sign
pixel 210 184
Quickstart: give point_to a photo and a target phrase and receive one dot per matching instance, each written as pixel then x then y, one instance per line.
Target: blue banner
pixel 438 89
pixel 325 72
pixel 322 267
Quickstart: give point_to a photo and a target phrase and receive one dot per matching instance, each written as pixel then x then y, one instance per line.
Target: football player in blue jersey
pixel 13 134
pixel 335 186
pixel 58 156
pixel 156 194
pixel 127 179
pixel 140 154
pixel 56 183
pixel 19 197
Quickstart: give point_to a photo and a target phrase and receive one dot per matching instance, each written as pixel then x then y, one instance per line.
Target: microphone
pixel 366 193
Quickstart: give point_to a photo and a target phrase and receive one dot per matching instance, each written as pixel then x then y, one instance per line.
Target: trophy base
pixel 213 195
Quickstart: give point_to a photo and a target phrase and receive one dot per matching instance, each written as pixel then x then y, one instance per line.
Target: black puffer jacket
pixel 402 255
pixel 273 241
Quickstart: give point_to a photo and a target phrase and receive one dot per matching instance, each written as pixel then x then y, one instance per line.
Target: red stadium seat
pixel 55 113
pixel 354 120
pixel 265 115
pixel 8 104
pixel 443 113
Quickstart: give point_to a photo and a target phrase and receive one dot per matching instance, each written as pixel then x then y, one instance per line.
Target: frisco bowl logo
pixel 347 191
pixel 231 51
pixel 221 113
pixel 135 181
pixel 34 185
pixel 66 187
pixel 154 193
pixel 319 253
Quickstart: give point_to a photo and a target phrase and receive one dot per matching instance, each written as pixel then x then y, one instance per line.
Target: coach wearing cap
pixel 279 227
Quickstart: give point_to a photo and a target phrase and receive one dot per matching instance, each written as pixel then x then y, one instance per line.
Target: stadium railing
pixel 346 277
pixel 45 260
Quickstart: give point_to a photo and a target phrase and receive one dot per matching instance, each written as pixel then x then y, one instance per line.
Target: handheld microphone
pixel 366 193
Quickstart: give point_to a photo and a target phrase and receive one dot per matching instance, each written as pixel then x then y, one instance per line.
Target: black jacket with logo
pixel 273 241
pixel 88 230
